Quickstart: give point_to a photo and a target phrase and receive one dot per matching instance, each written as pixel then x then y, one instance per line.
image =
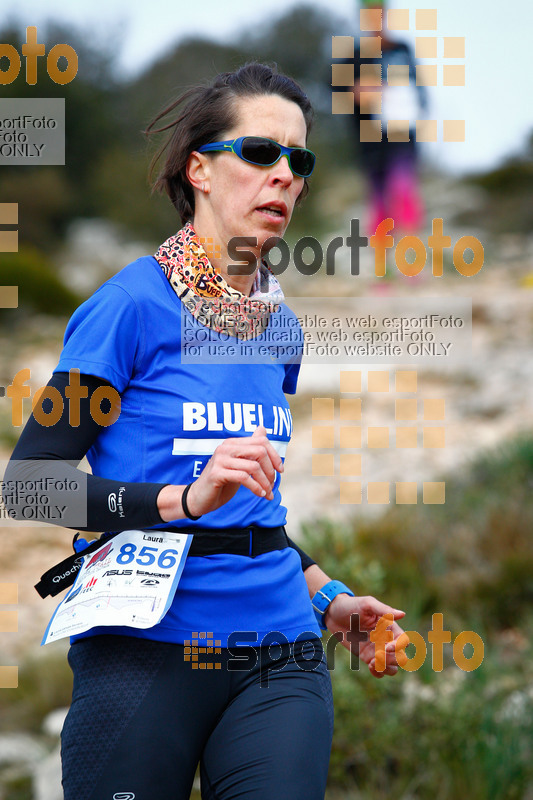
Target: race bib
pixel 131 580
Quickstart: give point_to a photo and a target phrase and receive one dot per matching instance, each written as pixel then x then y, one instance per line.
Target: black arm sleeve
pixel 306 559
pixel 55 450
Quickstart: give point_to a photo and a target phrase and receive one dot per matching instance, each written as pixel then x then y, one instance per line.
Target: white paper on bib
pixel 131 580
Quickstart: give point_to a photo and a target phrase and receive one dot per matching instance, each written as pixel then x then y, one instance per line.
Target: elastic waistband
pixel 252 541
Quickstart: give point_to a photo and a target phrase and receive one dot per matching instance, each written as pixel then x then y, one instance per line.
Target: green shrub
pixel 428 735
pixel 446 734
pixel 40 290
pixel 472 556
pixel 45 683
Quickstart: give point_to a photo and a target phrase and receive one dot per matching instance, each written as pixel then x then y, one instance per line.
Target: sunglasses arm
pixel 215 146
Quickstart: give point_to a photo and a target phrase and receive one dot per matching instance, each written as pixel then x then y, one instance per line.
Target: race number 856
pixel 146 556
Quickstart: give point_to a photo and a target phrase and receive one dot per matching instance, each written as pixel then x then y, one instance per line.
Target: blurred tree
pixel 91 123
pixel 508 207
pixel 299 41
pixel 46 199
pixel 191 61
pixel 39 288
pixel 107 157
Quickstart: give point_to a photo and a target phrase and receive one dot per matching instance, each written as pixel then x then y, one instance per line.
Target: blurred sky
pixel 496 102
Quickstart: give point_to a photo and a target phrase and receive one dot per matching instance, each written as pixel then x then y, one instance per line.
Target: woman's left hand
pixel 356 618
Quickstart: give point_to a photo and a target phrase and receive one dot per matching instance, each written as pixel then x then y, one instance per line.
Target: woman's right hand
pixel 247 461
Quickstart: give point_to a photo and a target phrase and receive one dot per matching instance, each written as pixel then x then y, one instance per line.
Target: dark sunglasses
pixel 266 152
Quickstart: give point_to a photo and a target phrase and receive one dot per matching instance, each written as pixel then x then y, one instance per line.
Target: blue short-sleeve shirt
pixel 173 415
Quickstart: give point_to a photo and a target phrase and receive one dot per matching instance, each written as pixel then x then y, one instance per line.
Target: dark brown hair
pixel 207 112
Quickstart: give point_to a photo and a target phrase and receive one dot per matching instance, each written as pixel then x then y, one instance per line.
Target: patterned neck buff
pixel 208 296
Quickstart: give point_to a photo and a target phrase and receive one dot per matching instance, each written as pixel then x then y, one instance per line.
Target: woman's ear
pixel 197 171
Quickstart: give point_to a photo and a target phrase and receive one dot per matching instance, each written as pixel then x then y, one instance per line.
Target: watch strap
pixel 323 598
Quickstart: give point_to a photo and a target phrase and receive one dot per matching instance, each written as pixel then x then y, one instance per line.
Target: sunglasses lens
pixel 302 162
pixel 260 151
pixel 265 153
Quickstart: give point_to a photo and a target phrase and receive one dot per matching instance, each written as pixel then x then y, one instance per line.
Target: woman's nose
pixel 282 171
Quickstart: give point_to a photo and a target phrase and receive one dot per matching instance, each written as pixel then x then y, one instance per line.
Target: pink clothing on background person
pixel 399 199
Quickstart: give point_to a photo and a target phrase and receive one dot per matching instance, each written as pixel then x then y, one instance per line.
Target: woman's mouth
pixel 274 213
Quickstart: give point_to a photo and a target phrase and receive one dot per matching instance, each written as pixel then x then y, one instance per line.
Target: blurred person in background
pixel 390 167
